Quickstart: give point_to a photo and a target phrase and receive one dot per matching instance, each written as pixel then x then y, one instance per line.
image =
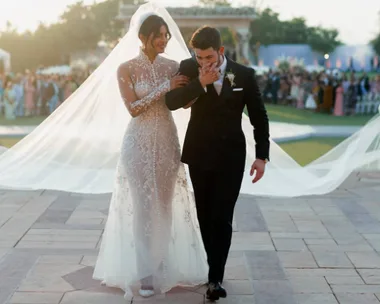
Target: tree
pixel 134 2
pixel 213 3
pixel 294 31
pixel 267 29
pixel 105 19
pixel 323 40
pixel 78 24
pixel 376 44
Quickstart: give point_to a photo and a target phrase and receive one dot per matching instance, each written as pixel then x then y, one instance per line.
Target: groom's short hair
pixel 206 37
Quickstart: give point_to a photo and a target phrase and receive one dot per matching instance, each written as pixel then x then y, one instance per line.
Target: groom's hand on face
pixel 208 74
pixel 258 167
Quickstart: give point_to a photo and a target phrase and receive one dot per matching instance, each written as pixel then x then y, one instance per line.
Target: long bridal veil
pixel 77 147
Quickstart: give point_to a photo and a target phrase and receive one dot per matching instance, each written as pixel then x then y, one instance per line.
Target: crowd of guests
pixel 336 93
pixel 33 94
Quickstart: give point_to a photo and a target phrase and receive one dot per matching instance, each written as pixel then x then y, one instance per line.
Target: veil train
pixel 77 147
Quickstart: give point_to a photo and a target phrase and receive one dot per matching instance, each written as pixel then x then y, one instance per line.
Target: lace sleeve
pixel 134 105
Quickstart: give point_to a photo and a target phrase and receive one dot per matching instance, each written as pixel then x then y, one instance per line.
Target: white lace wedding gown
pixel 151 231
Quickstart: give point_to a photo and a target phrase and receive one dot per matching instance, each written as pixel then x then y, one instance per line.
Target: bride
pixel 77 148
pixel 151 236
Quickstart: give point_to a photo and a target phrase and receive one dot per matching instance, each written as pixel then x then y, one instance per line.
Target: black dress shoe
pixel 215 291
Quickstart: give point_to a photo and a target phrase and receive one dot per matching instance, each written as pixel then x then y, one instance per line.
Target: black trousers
pixel 216 193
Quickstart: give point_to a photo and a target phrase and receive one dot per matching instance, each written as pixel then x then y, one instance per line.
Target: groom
pixel 214 149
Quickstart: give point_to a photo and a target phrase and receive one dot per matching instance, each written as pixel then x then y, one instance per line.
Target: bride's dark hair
pixel 152 25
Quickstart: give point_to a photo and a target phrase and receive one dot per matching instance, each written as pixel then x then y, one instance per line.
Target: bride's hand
pixel 178 81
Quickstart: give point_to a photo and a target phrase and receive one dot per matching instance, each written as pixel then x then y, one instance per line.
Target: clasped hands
pixel 208 74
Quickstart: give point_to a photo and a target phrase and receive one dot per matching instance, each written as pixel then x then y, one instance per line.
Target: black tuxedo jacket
pixel 214 138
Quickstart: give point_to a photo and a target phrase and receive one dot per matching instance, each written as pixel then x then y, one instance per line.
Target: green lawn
pixel 289 114
pixel 305 151
pixel 278 113
pixel 22 121
pixel 9 141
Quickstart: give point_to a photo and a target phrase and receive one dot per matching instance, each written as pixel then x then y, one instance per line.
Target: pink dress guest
pixel 30 91
pixel 338 108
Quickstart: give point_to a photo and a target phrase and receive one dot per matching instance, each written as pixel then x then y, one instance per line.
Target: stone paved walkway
pixel 310 250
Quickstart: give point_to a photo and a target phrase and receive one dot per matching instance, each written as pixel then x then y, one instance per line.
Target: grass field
pixel 305 151
pixel 9 141
pixel 280 113
pixel 277 113
pixel 22 121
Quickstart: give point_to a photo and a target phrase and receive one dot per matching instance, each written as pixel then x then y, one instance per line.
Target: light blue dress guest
pixel 9 102
pixel 20 102
pixel 53 102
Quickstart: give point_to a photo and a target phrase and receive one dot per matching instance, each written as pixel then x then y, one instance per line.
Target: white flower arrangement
pixel 231 77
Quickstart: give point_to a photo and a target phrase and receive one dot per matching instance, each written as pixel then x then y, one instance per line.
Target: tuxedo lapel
pixel 227 88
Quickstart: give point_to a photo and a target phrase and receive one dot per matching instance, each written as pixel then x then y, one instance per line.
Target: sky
pixel 357 20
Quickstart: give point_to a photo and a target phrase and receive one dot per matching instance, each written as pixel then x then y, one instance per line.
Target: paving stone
pixel 36 297
pixel 49 278
pixel 251 241
pixel 341 248
pixel 351 298
pixel 61 238
pixel 264 265
pixel 239 287
pixel 365 223
pixel 310 285
pixel 350 239
pixel 25 217
pixel 327 241
pixel 297 259
pixel 300 235
pixel 241 299
pixel 356 289
pixel 315 298
pixel 329 210
pixel 320 272
pixel 310 226
pixel 236 268
pixel 87 297
pixel 52 244
pixel 344 280
pixel 332 260
pixel 364 259
pixel 3 252
pixel 65 226
pixel 290 245
pixel 84 222
pixel 89 260
pixel 60 259
pixel 370 276
pixel 350 207
pixel 236 273
pixel 81 278
pixel 274 292
pixel 338 226
pixel 248 217
pixel 279 222
pixel 11 276
pixel 65 232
